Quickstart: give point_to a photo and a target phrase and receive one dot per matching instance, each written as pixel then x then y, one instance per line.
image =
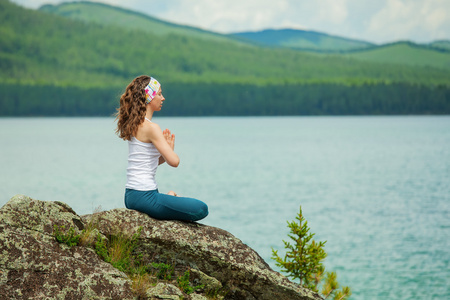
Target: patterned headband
pixel 151 90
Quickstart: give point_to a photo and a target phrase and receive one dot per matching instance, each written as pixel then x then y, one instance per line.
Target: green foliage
pixel 303 261
pixel 404 53
pixel 331 286
pixel 80 68
pixel 185 285
pixel 118 17
pixel 304 257
pixel 164 271
pixel 118 251
pixel 101 248
pixel 235 100
pixel 66 237
pixel 41 48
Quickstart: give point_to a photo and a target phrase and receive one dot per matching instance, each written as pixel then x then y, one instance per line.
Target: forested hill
pixel 61 65
pixel 303 39
pixel 127 19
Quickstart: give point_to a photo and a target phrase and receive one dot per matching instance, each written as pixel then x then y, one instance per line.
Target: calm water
pixel 376 188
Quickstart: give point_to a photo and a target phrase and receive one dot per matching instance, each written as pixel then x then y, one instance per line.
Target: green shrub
pixel 69 238
pixel 118 251
pixel 101 248
pixel 185 285
pixel 164 271
pixel 304 261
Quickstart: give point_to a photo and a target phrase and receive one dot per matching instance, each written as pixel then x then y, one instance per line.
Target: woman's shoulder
pixel 147 131
pixel 150 126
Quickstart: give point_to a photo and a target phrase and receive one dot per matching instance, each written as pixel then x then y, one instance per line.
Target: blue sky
pixel 377 21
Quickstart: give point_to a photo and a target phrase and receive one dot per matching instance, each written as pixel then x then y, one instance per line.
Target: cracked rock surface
pixel 33 265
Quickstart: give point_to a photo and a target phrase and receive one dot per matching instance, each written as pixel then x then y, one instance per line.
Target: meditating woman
pixel 148 147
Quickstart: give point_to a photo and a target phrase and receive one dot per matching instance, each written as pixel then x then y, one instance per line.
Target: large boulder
pixel 34 265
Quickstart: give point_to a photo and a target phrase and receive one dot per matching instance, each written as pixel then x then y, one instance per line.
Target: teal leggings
pixel 165 207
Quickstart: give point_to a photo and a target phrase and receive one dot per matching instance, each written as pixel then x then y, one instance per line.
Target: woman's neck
pixel 149 113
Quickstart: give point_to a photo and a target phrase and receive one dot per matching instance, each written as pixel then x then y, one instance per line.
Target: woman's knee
pixel 202 211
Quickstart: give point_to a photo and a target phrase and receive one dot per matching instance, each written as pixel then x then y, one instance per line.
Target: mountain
pixel 406 53
pixel 436 54
pixel 46 47
pixel 402 53
pixel 303 40
pixel 443 44
pixel 123 18
pixel 51 64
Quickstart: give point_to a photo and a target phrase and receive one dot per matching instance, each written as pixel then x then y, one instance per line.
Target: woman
pixel 148 147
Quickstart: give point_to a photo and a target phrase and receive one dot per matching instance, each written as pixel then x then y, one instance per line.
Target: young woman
pixel 148 147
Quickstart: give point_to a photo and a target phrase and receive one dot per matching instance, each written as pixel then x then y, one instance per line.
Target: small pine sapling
pixel 304 261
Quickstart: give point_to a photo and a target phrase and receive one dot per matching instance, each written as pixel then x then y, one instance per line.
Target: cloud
pixel 249 15
pixel 227 16
pixel 422 21
pixel 332 11
pixel 239 15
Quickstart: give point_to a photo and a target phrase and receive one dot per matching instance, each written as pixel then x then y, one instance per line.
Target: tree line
pixel 233 100
pixel 51 65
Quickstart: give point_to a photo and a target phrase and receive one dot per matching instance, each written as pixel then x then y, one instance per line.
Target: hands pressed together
pixel 170 138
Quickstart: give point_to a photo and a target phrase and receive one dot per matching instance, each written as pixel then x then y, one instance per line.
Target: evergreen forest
pixel 71 60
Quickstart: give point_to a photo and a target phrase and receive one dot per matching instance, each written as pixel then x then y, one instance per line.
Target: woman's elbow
pixel 174 162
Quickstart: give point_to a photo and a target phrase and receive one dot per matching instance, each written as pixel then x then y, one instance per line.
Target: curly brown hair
pixel 132 109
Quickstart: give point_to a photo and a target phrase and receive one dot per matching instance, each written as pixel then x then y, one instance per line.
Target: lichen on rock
pixel 34 265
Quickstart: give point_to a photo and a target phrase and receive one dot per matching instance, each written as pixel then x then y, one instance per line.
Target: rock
pixel 34 265
pixel 201 278
pixel 213 251
pixel 165 291
pixel 198 297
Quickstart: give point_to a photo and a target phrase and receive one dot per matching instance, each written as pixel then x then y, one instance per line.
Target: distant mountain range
pixel 288 38
pixel 303 40
pixel 435 54
pixel 75 58
pixel 317 41
pixel 93 12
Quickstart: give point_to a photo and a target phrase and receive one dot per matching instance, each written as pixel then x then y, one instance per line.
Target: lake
pixel 377 189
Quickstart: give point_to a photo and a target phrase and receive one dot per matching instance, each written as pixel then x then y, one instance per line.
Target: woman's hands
pixel 170 138
pixel 164 141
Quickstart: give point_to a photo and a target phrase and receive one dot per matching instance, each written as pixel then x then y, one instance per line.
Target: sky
pixel 376 21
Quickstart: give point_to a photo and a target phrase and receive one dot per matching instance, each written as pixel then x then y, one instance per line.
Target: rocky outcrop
pixel 34 266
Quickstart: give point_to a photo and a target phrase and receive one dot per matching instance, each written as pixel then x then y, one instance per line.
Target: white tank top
pixel 143 160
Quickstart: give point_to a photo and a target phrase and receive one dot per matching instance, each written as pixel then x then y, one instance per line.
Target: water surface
pixel 377 189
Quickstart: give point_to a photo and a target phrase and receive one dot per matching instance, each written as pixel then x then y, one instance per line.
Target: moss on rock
pixel 34 265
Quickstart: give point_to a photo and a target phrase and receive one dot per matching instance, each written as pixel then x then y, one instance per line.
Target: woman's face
pixel 157 101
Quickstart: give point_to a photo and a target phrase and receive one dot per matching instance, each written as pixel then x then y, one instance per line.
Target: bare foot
pixel 172 193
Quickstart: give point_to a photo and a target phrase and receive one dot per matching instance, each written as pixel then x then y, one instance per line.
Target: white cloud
pixel 332 11
pixel 34 3
pixel 421 21
pixel 244 15
pixel 227 16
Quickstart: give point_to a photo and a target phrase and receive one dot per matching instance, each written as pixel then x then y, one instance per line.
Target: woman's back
pixel 143 160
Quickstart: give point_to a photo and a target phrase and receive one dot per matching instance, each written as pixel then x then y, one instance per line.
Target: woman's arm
pixel 165 143
pixel 170 138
